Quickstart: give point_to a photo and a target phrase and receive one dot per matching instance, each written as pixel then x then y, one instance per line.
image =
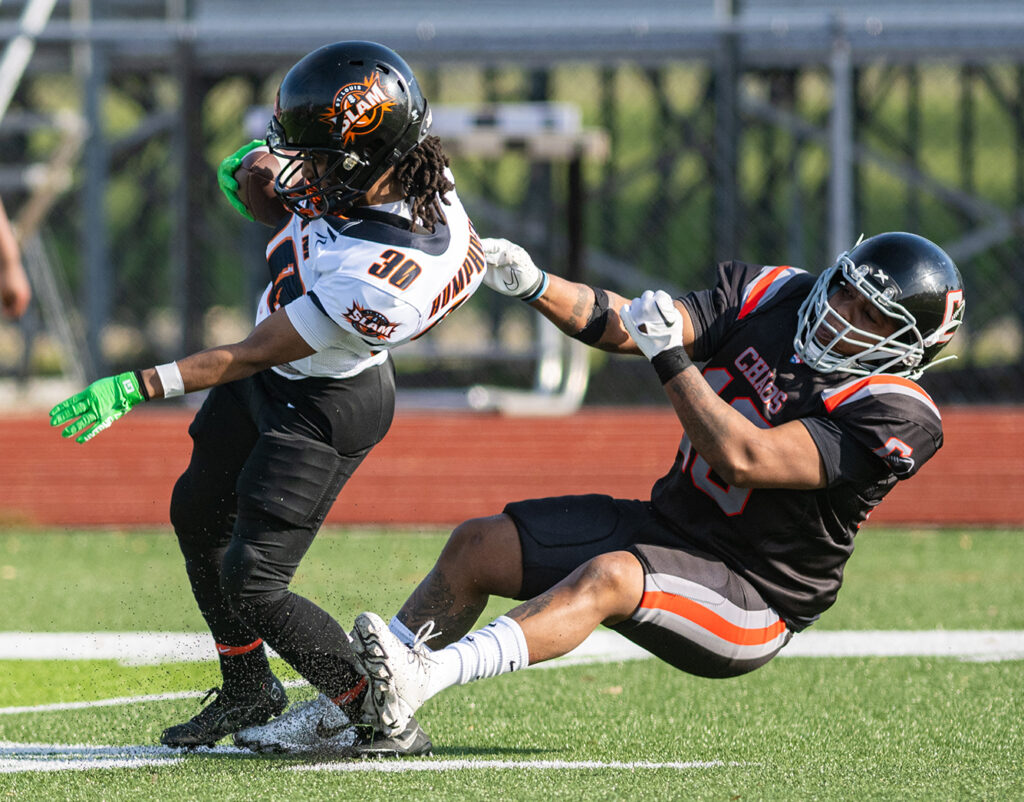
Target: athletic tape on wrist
pixel 598 320
pixel 170 378
pixel 533 296
pixel 670 363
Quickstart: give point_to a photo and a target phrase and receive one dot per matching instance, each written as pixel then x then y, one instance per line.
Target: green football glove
pixel 226 176
pixel 97 406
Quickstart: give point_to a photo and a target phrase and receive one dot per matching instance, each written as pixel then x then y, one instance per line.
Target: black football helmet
pixel 350 110
pixel 908 278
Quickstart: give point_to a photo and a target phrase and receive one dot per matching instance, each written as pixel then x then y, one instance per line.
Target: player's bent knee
pixel 616 579
pixel 198 512
pixel 487 549
pixel 183 512
pixel 243 580
pixel 467 539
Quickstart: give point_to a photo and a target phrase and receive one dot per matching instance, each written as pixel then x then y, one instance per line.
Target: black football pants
pixel 269 457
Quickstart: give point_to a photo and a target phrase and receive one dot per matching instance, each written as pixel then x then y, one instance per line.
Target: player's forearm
pixel 570 306
pixel 719 433
pixel 273 342
pixel 219 365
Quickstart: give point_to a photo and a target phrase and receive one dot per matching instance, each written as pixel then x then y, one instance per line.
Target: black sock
pixel 246 672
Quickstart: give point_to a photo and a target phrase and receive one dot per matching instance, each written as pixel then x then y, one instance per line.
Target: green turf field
pixel 800 728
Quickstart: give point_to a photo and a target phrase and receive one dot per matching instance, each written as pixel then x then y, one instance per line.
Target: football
pixel 255 177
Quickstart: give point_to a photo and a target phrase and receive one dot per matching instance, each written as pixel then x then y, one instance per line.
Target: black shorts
pixel 696 612
pixel 277 452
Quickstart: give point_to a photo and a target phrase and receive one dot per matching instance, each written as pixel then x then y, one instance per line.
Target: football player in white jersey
pixel 372 250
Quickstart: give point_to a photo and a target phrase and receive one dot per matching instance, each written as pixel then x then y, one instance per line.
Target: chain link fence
pixel 706 161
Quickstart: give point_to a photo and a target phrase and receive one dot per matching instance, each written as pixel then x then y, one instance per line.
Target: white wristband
pixel 170 378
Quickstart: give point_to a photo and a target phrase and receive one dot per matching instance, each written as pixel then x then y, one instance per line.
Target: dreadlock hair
pixel 422 177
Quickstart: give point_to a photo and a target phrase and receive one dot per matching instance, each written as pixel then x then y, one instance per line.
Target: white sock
pixel 498 648
pixel 402 632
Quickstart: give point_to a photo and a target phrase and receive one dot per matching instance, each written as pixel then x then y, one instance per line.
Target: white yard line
pixel 153 648
pixel 57 707
pixel 22 757
pixel 34 757
pixel 460 765
pixel 602 647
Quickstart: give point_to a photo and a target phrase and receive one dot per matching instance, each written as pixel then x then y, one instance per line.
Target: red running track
pixel 441 468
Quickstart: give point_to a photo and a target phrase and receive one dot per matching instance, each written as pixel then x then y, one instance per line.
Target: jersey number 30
pixel 731 499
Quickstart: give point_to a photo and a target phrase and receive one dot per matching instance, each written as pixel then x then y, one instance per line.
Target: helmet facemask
pixel 822 330
pixel 329 188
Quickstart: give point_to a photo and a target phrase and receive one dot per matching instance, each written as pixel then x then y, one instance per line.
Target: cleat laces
pixel 423 634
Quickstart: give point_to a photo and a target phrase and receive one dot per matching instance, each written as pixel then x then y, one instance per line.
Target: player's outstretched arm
pixel 740 452
pixel 589 314
pixel 87 413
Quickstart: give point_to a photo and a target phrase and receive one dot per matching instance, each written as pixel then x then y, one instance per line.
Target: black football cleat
pixel 410 742
pixel 229 712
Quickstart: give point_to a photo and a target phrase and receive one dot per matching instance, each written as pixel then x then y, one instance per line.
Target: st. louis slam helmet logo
pixel 358 108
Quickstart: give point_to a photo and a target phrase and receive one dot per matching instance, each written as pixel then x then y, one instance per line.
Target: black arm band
pixel 142 385
pixel 598 320
pixel 670 363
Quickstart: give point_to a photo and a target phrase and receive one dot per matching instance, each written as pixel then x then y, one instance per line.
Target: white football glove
pixel 511 271
pixel 653 322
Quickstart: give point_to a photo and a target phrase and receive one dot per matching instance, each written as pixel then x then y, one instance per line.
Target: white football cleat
pixel 398 674
pixel 318 725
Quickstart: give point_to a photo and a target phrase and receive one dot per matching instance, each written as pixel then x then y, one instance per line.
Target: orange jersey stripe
pixel 713 623
pixel 839 396
pixel 758 291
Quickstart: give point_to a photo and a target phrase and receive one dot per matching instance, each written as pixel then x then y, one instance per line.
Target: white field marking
pixel 33 757
pixel 22 757
pixel 128 648
pixel 606 646
pixel 394 766
pixel 57 707
pixel 972 645
pixel 603 646
pixel 152 648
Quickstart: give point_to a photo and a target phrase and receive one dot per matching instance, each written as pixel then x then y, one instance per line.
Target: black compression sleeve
pixel 598 320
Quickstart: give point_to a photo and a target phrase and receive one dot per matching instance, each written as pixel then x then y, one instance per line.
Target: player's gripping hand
pixel 653 322
pixel 511 271
pixel 97 406
pixel 226 176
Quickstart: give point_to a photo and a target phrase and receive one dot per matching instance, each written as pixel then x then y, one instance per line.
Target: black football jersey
pixel 871 432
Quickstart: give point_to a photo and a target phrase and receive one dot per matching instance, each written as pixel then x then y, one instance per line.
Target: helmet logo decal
pixel 370 322
pixel 952 317
pixel 358 108
pixel 886 283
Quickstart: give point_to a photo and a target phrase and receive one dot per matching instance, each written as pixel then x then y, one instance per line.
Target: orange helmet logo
pixel 358 108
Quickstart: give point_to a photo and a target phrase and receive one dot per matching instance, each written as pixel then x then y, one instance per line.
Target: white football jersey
pixel 355 287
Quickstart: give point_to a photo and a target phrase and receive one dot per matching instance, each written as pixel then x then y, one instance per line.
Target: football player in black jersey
pixel 802 417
